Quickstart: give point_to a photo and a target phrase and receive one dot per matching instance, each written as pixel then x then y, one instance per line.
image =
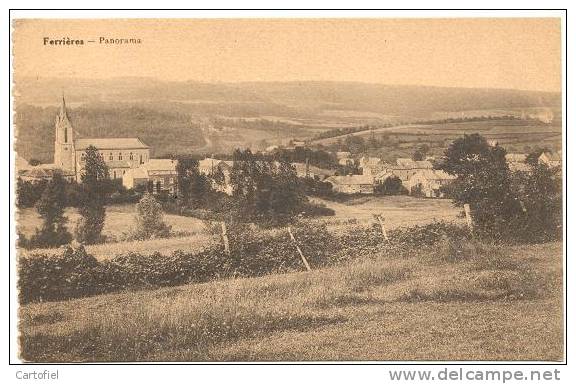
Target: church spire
pixel 63 113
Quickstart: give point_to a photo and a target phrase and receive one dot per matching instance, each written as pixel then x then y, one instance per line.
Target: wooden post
pixel 299 250
pixel 225 238
pixel 468 217
pixel 384 233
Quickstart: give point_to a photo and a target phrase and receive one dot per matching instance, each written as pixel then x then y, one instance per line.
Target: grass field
pixel 397 211
pixel 492 304
pixel 119 219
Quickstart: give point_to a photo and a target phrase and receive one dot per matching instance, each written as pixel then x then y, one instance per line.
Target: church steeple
pixel 63 113
pixel 64 155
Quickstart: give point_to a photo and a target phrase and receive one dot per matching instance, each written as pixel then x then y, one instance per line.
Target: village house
pixel 429 182
pixel 212 167
pixel 343 155
pixel 158 175
pixel 345 161
pixel 404 169
pixel 551 159
pixel 370 165
pixel 352 184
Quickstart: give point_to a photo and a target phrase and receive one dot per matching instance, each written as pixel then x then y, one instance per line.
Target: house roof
pixel 209 163
pixel 139 173
pixel 22 163
pixel 110 143
pixel 435 174
pixel 351 180
pixel 553 156
pixel 411 164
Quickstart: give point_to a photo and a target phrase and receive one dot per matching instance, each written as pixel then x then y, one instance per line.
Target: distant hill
pixel 171 116
pixel 286 98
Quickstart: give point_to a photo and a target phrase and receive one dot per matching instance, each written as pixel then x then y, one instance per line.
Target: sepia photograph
pixel 280 189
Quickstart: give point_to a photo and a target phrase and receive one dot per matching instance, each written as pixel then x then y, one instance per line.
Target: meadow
pixel 476 302
pixel 397 211
pixel 119 221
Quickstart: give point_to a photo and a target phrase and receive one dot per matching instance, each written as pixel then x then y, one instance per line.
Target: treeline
pixel 316 157
pixel 265 190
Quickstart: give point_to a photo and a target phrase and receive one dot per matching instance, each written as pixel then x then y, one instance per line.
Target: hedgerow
pixel 252 252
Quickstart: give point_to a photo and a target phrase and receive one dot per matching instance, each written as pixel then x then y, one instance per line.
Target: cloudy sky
pixel 493 53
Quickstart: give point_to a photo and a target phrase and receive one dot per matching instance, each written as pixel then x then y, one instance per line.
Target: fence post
pixel 299 250
pixel 225 238
pixel 384 233
pixel 468 217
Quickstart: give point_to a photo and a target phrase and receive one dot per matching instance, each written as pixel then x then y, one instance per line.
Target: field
pixel 119 220
pixel 397 211
pixel 494 304
pixel 514 135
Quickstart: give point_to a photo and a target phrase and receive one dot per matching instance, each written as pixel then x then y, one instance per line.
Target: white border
pixel 96 373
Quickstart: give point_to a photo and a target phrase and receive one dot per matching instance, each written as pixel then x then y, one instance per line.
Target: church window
pixel 111 156
pixel 82 156
pixel 131 156
pixel 119 155
pixel 114 174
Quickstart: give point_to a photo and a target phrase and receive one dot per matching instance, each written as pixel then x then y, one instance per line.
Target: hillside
pixel 179 117
pixel 385 307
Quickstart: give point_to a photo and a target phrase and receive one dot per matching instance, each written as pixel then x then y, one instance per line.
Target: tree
pixel 149 219
pixel 355 144
pixel 483 181
pixel 50 207
pixel 421 152
pixel 391 186
pixel 192 185
pixel 28 192
pixel 263 188
pixel 540 193
pixel 94 190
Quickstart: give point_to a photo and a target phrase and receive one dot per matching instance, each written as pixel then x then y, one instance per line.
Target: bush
pixel 149 219
pixel 391 186
pixel 73 273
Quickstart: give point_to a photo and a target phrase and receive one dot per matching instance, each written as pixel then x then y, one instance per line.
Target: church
pixel 119 154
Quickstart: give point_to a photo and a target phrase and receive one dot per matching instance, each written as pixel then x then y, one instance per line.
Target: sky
pixel 521 53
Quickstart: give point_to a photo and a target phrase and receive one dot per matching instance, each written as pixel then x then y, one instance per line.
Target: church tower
pixel 64 142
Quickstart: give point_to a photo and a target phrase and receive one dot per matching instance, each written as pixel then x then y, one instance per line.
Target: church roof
pixel 110 143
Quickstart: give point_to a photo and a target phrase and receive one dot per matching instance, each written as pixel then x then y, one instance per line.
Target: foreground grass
pixel 501 305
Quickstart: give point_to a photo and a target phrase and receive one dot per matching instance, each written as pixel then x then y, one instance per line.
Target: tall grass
pixel 140 326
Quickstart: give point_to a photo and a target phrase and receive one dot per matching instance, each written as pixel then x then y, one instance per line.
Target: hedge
pixel 75 273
